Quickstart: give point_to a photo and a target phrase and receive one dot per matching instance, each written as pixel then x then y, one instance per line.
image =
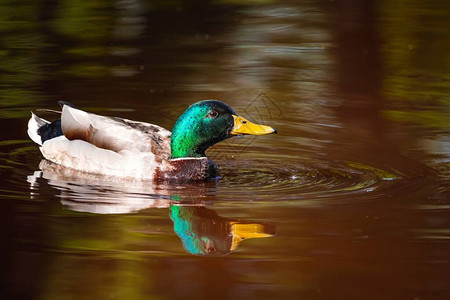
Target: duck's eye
pixel 244 122
pixel 213 114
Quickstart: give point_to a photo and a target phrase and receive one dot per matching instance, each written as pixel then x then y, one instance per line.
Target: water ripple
pixel 256 175
pixel 290 178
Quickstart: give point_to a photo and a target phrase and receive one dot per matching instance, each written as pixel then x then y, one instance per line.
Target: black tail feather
pixel 50 130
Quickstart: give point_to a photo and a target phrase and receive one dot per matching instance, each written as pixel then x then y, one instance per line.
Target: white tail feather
pixel 33 125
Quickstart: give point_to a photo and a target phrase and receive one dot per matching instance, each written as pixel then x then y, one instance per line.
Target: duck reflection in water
pixel 84 192
pixel 204 232
pixel 201 230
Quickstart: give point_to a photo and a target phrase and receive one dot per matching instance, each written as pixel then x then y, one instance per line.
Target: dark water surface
pixel 350 200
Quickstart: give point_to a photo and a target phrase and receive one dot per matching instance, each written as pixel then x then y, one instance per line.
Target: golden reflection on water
pixel 356 182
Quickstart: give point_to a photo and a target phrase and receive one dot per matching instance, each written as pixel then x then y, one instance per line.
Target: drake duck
pixel 114 146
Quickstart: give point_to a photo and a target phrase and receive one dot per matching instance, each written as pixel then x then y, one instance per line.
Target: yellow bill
pixel 244 126
pixel 247 231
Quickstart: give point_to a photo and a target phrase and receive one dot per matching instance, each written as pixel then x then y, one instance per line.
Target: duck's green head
pixel 206 123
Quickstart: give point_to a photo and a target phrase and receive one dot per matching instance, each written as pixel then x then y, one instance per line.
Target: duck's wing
pixel 115 134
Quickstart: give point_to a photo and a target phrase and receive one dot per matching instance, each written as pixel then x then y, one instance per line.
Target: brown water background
pixel 352 194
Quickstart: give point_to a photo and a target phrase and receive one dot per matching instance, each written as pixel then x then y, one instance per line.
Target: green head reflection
pixel 204 232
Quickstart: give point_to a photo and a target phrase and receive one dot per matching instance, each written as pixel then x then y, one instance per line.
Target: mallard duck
pixel 119 147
